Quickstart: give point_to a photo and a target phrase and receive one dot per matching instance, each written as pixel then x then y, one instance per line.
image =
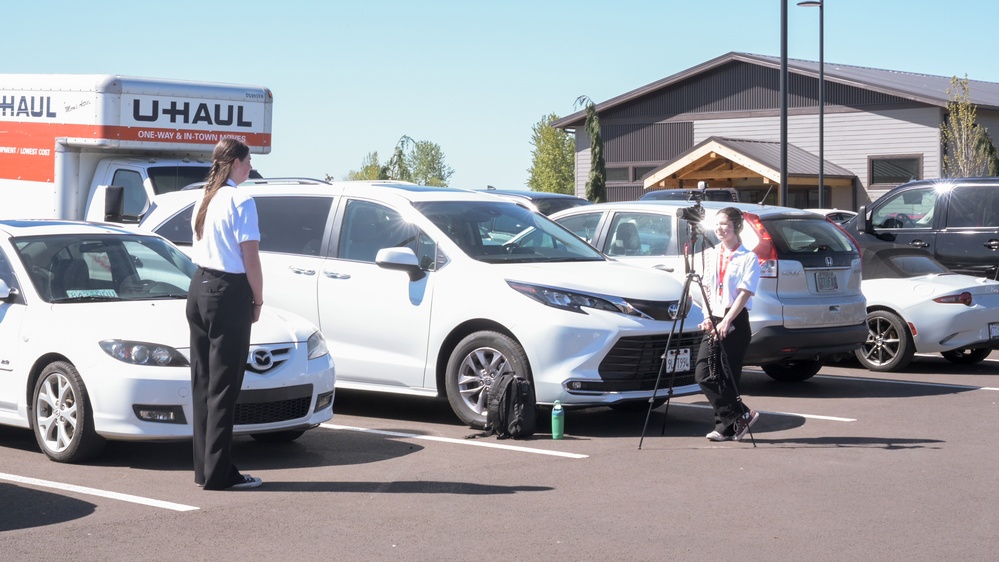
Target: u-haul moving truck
pixel 65 138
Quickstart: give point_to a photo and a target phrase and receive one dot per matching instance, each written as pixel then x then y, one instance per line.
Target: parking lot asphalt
pixel 850 465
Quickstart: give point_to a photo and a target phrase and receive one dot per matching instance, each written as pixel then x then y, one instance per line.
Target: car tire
pixel 62 418
pixel 279 436
pixel 475 362
pixel 889 345
pixel 793 371
pixel 967 355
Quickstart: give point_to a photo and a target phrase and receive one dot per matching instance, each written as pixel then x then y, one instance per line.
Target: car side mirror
pixel 402 259
pixel 6 293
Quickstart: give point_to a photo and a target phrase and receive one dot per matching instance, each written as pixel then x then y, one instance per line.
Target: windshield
pixel 171 178
pixel 502 232
pixel 104 267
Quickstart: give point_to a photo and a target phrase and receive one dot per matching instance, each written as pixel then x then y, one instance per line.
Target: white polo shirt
pixel 231 220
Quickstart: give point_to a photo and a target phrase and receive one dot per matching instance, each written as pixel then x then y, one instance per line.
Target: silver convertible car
pixel 915 304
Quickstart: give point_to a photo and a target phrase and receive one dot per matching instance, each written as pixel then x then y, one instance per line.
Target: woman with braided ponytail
pixel 224 301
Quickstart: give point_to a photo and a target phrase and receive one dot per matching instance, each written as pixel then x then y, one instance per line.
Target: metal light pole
pixel 822 98
pixel 783 105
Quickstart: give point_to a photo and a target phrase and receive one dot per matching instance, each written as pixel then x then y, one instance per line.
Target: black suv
pixel 955 219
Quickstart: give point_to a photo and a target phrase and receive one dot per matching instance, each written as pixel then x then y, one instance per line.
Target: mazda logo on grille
pixel 261 359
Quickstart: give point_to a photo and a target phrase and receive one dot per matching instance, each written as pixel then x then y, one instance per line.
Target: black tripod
pixel 697 214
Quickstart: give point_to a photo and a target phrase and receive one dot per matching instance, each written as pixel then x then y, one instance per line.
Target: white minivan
pixel 435 291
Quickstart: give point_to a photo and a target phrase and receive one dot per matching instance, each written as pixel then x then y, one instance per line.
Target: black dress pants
pixel 722 390
pixel 220 314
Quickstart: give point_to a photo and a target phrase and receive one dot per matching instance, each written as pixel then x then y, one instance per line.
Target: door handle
pixel 335 275
pixel 992 244
pixel 301 271
pixel 919 244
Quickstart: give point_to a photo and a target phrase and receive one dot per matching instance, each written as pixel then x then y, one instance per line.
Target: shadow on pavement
pixel 402 487
pixel 24 508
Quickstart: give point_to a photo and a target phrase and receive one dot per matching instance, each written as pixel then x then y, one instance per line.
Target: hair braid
pixel 226 152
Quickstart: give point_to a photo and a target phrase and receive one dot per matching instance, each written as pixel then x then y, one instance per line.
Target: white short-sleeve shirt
pixel 742 271
pixel 231 220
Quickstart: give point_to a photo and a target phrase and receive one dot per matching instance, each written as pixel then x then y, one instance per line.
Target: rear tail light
pixel 765 250
pixel 964 298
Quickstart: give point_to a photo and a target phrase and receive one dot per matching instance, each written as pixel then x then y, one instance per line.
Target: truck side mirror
pixel 864 220
pixel 114 203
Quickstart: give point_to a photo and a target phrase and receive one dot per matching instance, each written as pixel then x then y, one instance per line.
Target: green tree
pixel 968 148
pixel 419 162
pixel 553 158
pixel 596 184
pixel 426 164
pixel 370 169
pixel 397 168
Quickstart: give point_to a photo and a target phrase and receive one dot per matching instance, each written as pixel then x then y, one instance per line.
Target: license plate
pixel 681 364
pixel 994 330
pixel 826 281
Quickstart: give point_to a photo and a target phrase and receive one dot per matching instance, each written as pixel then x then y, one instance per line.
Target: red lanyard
pixel 722 267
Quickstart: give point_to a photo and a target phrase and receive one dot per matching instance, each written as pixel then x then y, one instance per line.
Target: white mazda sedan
pixel 433 291
pixel 94 344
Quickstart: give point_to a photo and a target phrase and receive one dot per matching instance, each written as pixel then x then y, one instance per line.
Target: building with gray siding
pixel 719 122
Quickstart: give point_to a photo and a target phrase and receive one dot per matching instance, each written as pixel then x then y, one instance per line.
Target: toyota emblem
pixel 829 261
pixel 673 310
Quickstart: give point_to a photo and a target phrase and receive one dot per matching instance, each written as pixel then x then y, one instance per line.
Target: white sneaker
pixel 716 436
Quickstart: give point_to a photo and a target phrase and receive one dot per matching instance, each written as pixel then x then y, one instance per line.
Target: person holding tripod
pixel 731 276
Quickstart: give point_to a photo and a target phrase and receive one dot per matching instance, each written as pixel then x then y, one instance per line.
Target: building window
pixel 619 175
pixel 894 170
pixel 642 170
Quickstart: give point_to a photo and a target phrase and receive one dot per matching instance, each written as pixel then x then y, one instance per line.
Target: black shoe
pixel 743 424
pixel 246 482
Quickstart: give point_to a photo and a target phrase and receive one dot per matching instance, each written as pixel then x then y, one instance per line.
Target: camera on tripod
pixel 694 214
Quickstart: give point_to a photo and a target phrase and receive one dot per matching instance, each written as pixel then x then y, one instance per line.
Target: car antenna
pixel 763 202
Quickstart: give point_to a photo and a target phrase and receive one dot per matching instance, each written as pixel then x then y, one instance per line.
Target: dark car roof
pixel 879 261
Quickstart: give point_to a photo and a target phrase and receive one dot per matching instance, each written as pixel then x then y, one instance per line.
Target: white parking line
pixel 913 383
pixel 769 413
pixel 96 492
pixel 457 441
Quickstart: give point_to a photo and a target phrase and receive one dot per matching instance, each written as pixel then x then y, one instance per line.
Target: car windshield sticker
pixel 91 293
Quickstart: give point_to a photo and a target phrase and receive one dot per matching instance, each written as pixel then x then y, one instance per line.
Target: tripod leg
pixel 655 388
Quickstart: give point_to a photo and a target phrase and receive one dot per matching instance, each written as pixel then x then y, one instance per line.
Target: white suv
pixel 435 291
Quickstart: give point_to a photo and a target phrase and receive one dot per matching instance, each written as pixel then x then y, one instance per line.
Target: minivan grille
pixel 272 405
pixel 634 363
pixel 657 310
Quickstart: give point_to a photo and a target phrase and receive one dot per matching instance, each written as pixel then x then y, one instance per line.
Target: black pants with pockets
pixel 722 390
pixel 220 314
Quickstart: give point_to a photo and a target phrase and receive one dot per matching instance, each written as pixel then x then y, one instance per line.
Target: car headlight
pixel 142 353
pixel 574 301
pixel 317 346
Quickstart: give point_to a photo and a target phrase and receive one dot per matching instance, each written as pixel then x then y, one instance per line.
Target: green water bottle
pixel 558 421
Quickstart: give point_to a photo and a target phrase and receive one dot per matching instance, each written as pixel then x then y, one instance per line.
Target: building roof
pixel 726 158
pixel 922 88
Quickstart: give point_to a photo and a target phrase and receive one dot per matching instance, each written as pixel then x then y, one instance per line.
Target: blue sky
pixel 352 77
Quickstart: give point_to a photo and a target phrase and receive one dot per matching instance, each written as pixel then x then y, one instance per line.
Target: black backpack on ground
pixel 511 410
